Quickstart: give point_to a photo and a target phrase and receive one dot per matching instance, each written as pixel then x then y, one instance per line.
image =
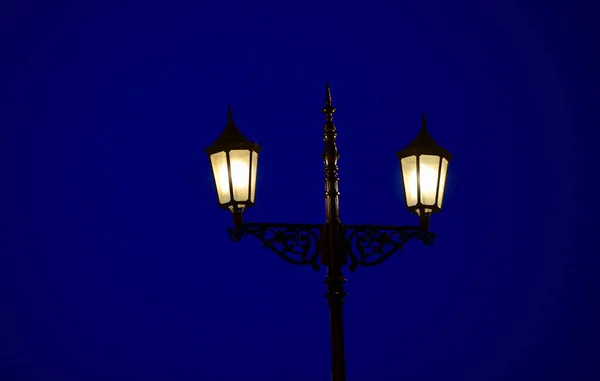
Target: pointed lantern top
pixel 231 138
pixel 424 144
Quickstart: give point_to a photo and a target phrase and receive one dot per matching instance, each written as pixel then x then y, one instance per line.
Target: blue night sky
pixel 114 260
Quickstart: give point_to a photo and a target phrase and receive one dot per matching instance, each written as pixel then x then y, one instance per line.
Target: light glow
pixel 429 166
pixel 243 185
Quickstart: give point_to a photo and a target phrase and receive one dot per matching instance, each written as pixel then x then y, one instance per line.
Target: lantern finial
pixel 231 138
pixel 424 122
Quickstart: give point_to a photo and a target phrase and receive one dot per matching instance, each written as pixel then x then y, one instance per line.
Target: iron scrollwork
pixel 366 245
pixel 371 245
pixel 294 243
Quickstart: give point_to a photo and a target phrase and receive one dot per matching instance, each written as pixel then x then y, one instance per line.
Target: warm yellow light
pixel 442 182
pixel 426 182
pixel 243 185
pixel 409 174
pixel 221 173
pixel 429 166
pixel 253 179
pixel 240 174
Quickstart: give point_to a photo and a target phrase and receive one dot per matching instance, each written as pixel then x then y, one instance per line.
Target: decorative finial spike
pixel 229 114
pixel 328 110
pixel 424 122
pixel 327 94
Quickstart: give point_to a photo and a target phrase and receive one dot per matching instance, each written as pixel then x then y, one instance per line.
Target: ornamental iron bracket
pixel 294 243
pixel 300 244
pixel 371 245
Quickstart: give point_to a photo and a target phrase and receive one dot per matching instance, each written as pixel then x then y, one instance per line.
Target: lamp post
pixel 423 163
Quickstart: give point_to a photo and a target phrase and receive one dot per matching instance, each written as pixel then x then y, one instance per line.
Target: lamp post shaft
pixel 333 249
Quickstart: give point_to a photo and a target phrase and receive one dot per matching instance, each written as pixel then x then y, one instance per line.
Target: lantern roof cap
pixel 423 144
pixel 231 138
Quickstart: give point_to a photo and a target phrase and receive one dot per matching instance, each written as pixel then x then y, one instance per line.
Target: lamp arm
pixel 298 244
pixel 370 245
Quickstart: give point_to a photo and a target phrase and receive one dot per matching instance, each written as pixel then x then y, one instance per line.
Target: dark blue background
pixel 115 264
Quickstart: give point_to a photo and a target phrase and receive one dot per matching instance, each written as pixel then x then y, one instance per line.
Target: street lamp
pixel 424 165
pixel 234 161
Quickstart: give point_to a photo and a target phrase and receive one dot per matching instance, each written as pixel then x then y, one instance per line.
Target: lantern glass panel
pixel 429 166
pixel 409 175
pixel 253 178
pixel 442 182
pixel 240 174
pixel 218 162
